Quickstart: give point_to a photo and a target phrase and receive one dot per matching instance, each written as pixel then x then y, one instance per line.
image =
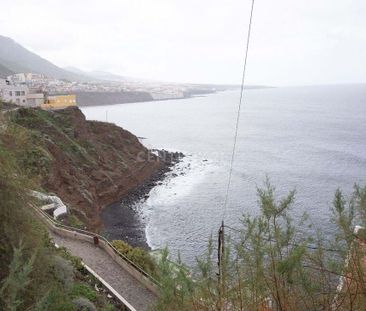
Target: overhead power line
pixel 239 108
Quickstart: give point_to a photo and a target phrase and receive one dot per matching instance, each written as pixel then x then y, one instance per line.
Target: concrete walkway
pixel 127 286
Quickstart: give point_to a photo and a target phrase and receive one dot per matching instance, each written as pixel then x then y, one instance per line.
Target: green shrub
pixel 74 221
pixel 109 307
pixel 14 285
pixel 83 304
pixel 122 246
pixel 82 290
pixel 76 261
pixel 64 272
pixel 137 255
pixel 272 264
pixel 55 300
pixel 36 161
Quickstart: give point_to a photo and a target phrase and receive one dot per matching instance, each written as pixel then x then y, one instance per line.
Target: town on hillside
pixel 38 90
pixel 30 90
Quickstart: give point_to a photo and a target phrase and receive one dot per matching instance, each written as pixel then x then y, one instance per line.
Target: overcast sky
pixel 294 42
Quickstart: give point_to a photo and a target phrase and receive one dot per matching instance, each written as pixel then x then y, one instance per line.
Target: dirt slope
pixel 88 164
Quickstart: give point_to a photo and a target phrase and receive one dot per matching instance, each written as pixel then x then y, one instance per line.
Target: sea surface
pixel 312 139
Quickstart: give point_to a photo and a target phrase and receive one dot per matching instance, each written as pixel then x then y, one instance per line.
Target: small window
pixel 10 93
pixel 23 93
pixel 17 93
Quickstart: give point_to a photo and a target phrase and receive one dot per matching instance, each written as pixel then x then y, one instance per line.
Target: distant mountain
pixel 4 71
pixel 16 58
pixel 75 70
pixel 103 75
pixel 99 75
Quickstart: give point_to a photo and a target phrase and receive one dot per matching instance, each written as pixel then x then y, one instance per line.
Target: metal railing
pixel 92 235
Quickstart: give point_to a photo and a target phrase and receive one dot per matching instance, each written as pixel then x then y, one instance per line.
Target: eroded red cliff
pixel 88 164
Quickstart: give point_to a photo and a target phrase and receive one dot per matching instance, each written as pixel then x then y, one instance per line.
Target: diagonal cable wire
pixel 239 109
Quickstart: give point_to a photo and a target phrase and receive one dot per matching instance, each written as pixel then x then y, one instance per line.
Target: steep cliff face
pixel 88 164
pixel 111 98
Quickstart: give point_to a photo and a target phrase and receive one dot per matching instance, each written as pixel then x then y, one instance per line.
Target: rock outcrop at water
pixel 88 164
pixel 121 220
pixel 141 192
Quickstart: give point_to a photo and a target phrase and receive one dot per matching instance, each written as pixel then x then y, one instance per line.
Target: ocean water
pixel 312 139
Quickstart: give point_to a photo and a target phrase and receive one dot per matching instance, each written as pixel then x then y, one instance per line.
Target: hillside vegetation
pixel 88 164
pixel 270 263
pixel 33 274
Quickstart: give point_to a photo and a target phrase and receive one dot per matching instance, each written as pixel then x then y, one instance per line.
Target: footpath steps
pixel 97 259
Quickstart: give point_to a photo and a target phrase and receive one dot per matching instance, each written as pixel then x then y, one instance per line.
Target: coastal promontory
pixel 88 164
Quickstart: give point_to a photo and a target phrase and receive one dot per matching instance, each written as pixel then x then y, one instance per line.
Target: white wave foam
pixel 185 176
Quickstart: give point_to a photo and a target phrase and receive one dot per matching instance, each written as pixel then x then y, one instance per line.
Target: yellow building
pixel 59 101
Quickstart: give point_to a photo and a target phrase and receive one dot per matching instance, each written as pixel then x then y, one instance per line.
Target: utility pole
pixel 220 257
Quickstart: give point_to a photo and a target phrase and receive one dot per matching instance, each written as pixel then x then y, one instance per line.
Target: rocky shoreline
pixel 121 220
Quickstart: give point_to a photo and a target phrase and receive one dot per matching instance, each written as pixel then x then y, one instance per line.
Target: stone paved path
pixel 127 286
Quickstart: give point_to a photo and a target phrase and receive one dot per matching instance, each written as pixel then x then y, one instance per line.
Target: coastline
pixel 145 98
pixel 121 220
pixel 98 104
pixel 88 99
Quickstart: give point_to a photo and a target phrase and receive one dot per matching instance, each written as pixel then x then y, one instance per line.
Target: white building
pixel 17 78
pixel 25 77
pixel 17 94
pixel 35 99
pixel 3 82
pixel 166 94
pixel 20 94
pixel 34 76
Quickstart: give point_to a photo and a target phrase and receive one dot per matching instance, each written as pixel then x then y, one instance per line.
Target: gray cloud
pixel 293 43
